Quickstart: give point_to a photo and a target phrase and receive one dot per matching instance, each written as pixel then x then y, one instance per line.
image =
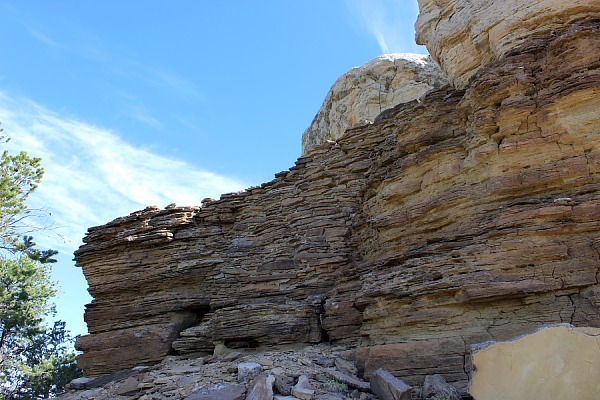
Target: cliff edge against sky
pixel 472 214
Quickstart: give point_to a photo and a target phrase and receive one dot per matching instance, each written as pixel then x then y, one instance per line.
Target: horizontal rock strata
pixel 481 216
pixel 466 35
pixel 473 215
pixel 218 273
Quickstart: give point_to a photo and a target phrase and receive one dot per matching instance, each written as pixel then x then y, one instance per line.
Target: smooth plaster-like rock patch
pixel 559 362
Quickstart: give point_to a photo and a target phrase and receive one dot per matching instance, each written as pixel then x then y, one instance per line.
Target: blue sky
pixel 137 103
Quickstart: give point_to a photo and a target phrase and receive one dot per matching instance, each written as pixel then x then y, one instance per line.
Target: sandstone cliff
pixel 362 93
pixel 471 215
pixel 465 35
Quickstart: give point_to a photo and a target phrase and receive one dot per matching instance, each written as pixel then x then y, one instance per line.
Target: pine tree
pixel 36 361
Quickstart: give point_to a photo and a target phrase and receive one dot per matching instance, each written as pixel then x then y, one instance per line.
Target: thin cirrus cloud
pixel 92 176
pixel 115 61
pixel 140 113
pixel 40 36
pixel 386 21
pixel 110 58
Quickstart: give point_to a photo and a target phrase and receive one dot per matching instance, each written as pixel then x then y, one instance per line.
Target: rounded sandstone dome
pixel 364 92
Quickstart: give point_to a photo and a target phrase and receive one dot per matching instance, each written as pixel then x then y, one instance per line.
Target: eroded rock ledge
pixel 473 215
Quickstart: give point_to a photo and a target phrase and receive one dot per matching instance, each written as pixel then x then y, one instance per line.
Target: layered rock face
pixel 362 93
pixel 249 270
pixel 483 225
pixel 471 215
pixel 465 35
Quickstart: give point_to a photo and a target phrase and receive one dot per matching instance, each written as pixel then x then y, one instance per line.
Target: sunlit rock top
pixel 362 93
pixel 465 35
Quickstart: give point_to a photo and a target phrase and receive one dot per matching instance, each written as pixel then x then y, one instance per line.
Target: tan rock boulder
pixel 464 35
pixel 560 362
pixel 364 92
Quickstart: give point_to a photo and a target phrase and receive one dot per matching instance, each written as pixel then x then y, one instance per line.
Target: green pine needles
pixel 36 361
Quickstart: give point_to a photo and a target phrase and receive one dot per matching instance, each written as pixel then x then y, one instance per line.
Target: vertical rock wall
pixel 482 223
pixel 466 35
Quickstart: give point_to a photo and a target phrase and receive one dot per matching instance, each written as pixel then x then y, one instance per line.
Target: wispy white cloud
pixel 140 113
pixel 40 36
pixel 177 84
pixel 92 176
pixel 389 21
pixel 118 62
pixel 36 30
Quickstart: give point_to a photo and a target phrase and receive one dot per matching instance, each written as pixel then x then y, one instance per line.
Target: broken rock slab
pixel 555 362
pixel 220 392
pixel 261 387
pixel 436 387
pixel 350 380
pixel 248 371
pixel 345 366
pixel 303 390
pixel 80 383
pixel 92 383
pixel 129 386
pixel 283 384
pixel 387 387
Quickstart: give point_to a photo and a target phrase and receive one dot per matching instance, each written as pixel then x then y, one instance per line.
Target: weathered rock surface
pixel 219 392
pixel 436 387
pixel 387 387
pixel 472 215
pixel 349 380
pixel 216 378
pixel 362 93
pixel 248 371
pixel 465 35
pixel 261 388
pixel 303 390
pixel 297 323
pixel 558 362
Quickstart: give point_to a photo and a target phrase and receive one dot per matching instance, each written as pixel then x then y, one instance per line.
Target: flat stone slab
pixel 221 392
pixel 387 387
pixel 303 389
pixel 351 381
pixel 557 362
